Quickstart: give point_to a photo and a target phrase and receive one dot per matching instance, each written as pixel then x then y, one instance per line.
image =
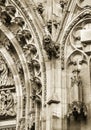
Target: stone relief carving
pixel 32 57
pixel 63 4
pixel 40 8
pixel 49 26
pixel 52 19
pixel 21 124
pixel 50 47
pixel 11 10
pixel 5 18
pixel 19 24
pixel 8 17
pixel 19 21
pixel 7 90
pixel 7 104
pixel 78 110
pixel 34 66
pixel 23 36
pixel 31 119
pixel 6 78
pixel 37 90
pixel 76 86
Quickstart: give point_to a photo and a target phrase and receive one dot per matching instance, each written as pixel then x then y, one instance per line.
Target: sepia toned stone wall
pixel 45 64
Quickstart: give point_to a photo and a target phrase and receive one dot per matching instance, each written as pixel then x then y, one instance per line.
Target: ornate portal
pixel 45 64
pixel 7 92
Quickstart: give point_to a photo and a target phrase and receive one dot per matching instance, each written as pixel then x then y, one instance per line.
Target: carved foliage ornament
pixel 7 105
pixel 8 16
pixel 6 88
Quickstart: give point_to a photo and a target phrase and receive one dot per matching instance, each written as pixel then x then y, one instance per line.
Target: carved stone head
pixel 47 39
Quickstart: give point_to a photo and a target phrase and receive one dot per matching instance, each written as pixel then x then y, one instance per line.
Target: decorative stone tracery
pixel 84 14
pixel 75 59
pixel 12 19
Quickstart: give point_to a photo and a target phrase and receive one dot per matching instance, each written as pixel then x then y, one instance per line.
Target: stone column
pixel 37 116
pixel 53 107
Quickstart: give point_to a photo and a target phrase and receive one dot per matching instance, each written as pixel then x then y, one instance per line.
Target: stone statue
pixel 10 103
pixel 3 73
pixel 77 108
pixel 50 47
pixel 5 77
pixel 76 87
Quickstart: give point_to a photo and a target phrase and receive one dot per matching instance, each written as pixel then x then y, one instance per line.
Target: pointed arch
pixel 21 48
pixel 86 13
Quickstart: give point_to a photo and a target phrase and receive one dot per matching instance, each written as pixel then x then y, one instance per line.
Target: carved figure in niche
pixel 37 91
pixel 7 104
pixel 5 78
pixel 10 103
pixel 76 87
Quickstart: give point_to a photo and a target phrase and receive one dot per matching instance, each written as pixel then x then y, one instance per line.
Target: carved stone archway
pixel 21 49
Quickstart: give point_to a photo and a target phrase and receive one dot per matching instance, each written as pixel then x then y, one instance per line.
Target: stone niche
pixel 78 76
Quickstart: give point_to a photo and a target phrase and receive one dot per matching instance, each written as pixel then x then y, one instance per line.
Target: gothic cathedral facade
pixel 45 64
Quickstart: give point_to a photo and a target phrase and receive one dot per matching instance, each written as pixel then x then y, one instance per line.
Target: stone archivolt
pixel 23 52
